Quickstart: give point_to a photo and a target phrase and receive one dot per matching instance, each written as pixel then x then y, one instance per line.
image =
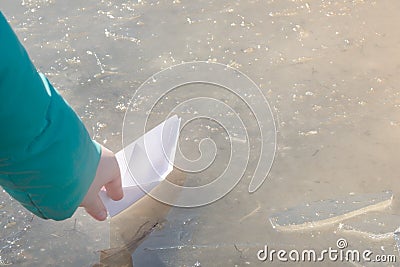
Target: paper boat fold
pixel 145 163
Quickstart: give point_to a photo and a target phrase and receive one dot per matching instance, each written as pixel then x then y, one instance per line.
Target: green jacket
pixel 47 158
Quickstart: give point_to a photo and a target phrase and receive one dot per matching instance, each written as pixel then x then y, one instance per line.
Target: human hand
pixel 109 176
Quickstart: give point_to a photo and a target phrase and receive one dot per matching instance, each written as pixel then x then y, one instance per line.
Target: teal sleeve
pixel 47 158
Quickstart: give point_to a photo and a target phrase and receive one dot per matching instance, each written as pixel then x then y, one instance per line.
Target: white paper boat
pixel 144 164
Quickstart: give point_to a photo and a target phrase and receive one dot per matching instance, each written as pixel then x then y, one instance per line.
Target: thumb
pixel 96 209
pixel 114 188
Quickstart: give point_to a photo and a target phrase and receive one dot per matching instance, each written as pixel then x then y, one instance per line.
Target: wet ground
pixel 329 70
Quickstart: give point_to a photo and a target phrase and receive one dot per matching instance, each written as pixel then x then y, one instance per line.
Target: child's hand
pixel 109 176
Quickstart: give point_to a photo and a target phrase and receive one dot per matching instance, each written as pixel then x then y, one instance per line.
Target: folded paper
pixel 144 164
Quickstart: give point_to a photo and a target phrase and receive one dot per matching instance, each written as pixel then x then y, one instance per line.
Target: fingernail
pixel 102 215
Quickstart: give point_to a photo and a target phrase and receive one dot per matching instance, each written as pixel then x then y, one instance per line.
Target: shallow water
pixel 329 70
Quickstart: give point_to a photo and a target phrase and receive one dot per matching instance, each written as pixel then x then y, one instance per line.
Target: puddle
pixel 374 226
pixel 329 211
pixel 329 70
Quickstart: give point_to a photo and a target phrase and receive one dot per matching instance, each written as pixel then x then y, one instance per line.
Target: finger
pixel 96 209
pixel 114 188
